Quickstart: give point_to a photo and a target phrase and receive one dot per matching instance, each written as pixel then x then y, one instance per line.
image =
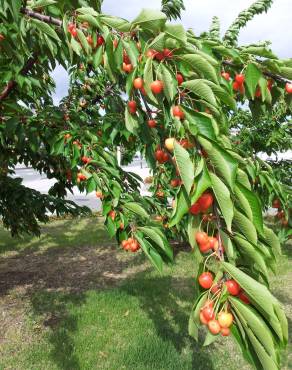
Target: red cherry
pixel 165 157
pixel 177 112
pixel 85 159
pixel 202 319
pixel 205 247
pixel 72 29
pixel 243 297
pixel 150 53
pixel 159 56
pixel 159 155
pixel 138 83
pixel 167 53
pixel 240 78
pixel 99 41
pixel 232 287
pixel 152 123
pixel 201 237
pixel 288 88
pixel 208 313
pixel 112 214
pixel 179 78
pixel 215 288
pixel 276 203
pixel 195 209
pixel 225 75
pixel 132 105
pixel 225 332
pixel 156 86
pixel 127 68
pixel 206 280
pixel 175 182
pixel 214 327
pixel 205 201
pixel 2 37
pixel 258 93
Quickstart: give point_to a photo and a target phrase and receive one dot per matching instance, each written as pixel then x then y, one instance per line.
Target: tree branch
pixel 41 17
pixel 266 73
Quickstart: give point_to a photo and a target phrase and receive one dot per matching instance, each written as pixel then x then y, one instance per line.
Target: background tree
pixel 152 87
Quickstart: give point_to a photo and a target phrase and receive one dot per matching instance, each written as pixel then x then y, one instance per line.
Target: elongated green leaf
pixel 252 253
pixel 150 252
pixel 131 121
pixel 194 320
pixel 158 239
pixel 245 226
pixel 152 20
pixel 93 21
pixel 201 66
pixel 222 195
pixel 117 23
pixel 83 41
pixel 202 183
pixel 223 95
pixel 228 246
pixel 272 240
pixel 256 323
pixel 185 166
pixel 42 3
pixel 45 28
pixel 97 57
pixel 148 79
pixel 201 89
pixel 75 46
pixel 130 53
pixel 158 42
pixel 264 301
pixel 136 208
pixel 252 208
pixel 223 162
pixel 87 10
pixel 181 208
pixel 252 76
pixel 169 83
pixel 176 31
pixel 199 123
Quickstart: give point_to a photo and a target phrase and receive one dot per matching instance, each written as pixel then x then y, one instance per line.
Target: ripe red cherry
pixel 205 201
pixel 206 280
pixel 258 93
pixel 167 53
pixel 201 237
pixel 225 332
pixel 2 37
pixel 89 40
pixel 150 53
pixel 225 75
pixel 156 86
pixel 214 327
pixel 177 112
pixel 159 56
pixel 99 41
pixel 208 313
pixel 238 87
pixel 85 159
pixel 127 68
pixel 165 157
pixel 232 287
pixel 288 88
pixel 179 78
pixel 132 105
pixel 202 319
pixel 159 155
pixel 276 203
pixel 72 29
pixel 205 247
pixel 195 209
pixel 243 297
pixel 112 214
pixel 152 123
pixel 240 78
pixel 138 83
pixel 175 182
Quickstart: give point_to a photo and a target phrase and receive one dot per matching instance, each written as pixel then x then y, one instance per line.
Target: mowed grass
pixel 73 300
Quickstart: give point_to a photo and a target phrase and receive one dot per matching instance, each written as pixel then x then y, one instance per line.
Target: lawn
pixel 72 299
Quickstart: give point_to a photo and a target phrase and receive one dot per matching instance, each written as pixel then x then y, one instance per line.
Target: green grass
pixel 76 301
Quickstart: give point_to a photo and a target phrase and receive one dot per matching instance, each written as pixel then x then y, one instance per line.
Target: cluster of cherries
pixel 86 159
pixel 222 322
pixel 202 204
pixel 130 244
pixel 72 29
pixel 205 242
pixel 280 214
pixel 81 177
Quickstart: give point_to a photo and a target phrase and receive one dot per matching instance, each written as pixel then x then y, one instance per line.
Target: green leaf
pixel 42 3
pixel 136 208
pixel 264 301
pixel 194 320
pixel 130 53
pixel 222 195
pixel 245 226
pixel 152 20
pixel 223 162
pixel 158 239
pixel 117 23
pixel 252 254
pixel 181 208
pixel 223 95
pixel 45 28
pixel 176 31
pixel 158 42
pixel 169 83
pixel 210 338
pixel 199 123
pixel 87 10
pixel 148 79
pixel 90 19
pixel 201 89
pixel 272 240
pixel 150 252
pixel 97 58
pixel 252 76
pixel 201 66
pixel 131 121
pixel 256 323
pixel 251 206
pixel 185 166
pixel 76 46
pixel 83 41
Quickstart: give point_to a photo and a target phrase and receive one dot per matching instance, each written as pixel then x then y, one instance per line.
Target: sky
pixel 274 26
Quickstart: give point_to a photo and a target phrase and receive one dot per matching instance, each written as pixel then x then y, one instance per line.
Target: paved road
pixel 34 180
